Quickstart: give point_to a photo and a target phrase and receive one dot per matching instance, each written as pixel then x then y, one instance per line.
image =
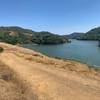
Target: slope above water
pixel 39 77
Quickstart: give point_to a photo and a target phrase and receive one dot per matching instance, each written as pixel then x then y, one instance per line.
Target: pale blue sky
pixel 58 16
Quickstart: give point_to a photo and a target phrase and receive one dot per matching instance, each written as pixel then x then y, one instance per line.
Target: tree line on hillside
pixel 18 35
pixel 93 34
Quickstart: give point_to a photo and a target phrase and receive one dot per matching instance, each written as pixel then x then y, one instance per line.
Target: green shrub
pixel 1 49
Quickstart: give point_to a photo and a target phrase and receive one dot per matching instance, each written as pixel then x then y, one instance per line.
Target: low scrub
pixel 1 49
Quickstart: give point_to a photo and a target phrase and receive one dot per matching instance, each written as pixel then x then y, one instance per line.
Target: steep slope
pixel 47 78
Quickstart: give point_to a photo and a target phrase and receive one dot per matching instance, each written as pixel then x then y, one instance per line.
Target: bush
pixel 1 49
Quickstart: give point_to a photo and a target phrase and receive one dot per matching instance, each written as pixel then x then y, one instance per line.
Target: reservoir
pixel 84 51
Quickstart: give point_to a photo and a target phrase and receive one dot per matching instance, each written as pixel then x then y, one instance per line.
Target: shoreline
pixel 44 77
pixel 65 59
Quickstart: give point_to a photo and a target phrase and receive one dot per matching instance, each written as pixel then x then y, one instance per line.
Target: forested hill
pixel 75 35
pixel 93 34
pixel 18 35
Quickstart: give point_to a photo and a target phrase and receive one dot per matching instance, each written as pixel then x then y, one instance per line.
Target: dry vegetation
pixel 28 75
pixel 11 87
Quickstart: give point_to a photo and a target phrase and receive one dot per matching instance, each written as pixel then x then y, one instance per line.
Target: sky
pixel 57 16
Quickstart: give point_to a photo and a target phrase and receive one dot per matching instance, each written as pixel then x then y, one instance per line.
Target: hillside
pixel 18 35
pixel 29 75
pixel 75 35
pixel 93 34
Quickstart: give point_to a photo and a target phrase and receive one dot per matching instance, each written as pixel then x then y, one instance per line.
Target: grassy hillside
pixel 29 75
pixel 15 35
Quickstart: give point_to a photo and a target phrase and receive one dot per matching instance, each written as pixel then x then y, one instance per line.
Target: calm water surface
pixel 84 51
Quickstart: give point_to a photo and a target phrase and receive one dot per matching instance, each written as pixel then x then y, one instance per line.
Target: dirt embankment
pixel 28 75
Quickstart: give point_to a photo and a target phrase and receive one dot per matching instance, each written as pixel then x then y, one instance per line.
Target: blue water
pixel 84 51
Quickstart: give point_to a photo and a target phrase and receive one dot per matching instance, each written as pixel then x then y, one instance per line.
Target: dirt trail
pixel 49 83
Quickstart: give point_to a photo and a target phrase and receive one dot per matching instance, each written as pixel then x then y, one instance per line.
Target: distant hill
pixel 18 35
pixel 75 35
pixel 93 34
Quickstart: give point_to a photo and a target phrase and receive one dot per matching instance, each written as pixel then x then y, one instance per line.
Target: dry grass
pixel 32 76
pixel 11 87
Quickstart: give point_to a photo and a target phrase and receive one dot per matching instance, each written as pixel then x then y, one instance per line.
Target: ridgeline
pixel 18 35
pixel 93 34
